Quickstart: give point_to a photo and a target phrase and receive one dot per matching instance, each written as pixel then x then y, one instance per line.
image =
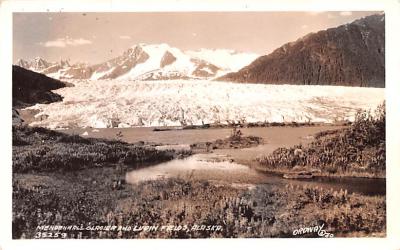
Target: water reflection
pixel 221 168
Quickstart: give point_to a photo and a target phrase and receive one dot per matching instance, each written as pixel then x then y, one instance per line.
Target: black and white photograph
pixel 198 124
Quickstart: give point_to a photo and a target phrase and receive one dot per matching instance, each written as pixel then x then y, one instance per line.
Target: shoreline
pixel 249 125
pixel 203 127
pixel 360 176
pixel 253 164
pixel 55 197
pixel 280 172
pixel 201 147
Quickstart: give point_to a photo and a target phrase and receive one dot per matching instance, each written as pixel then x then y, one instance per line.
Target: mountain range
pixel 350 55
pixel 148 62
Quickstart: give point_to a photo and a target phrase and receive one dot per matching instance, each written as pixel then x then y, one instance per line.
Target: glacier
pixel 126 103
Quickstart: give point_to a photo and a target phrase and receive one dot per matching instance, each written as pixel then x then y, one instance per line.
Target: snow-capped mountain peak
pixel 149 62
pixel 163 62
pixel 227 59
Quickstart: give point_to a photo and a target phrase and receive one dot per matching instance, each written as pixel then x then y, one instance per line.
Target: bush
pixel 49 150
pixel 359 148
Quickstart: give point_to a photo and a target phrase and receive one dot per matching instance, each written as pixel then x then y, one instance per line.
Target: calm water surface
pixel 223 166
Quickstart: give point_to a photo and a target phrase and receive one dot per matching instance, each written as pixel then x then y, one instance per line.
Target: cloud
pixel 304 26
pixel 124 37
pixel 346 13
pixel 64 42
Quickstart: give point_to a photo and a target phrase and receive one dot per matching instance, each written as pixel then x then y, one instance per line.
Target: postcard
pixel 198 124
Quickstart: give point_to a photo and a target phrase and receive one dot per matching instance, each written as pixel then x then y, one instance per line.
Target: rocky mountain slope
pixel 350 55
pixel 62 69
pixel 29 88
pixel 148 62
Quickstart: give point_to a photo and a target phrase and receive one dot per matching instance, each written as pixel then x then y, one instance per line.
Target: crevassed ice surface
pixel 111 103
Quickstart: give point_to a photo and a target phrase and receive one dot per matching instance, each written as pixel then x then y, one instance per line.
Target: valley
pixel 156 141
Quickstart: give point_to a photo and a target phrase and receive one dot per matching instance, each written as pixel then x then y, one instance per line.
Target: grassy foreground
pixel 73 187
pixel 265 211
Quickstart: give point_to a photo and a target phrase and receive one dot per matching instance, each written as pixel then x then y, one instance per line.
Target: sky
pixel 97 37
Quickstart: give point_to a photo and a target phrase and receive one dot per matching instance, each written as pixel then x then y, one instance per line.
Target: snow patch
pixel 228 60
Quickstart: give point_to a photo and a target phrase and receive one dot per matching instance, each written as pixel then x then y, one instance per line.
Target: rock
pixel 16 118
pixel 298 152
pixel 167 59
pixel 30 88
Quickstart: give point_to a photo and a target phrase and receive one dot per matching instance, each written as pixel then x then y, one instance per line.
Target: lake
pixel 229 166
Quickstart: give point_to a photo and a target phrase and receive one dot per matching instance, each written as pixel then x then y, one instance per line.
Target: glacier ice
pixel 124 103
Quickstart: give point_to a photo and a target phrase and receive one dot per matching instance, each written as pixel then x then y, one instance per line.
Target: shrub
pixel 50 150
pixel 358 148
